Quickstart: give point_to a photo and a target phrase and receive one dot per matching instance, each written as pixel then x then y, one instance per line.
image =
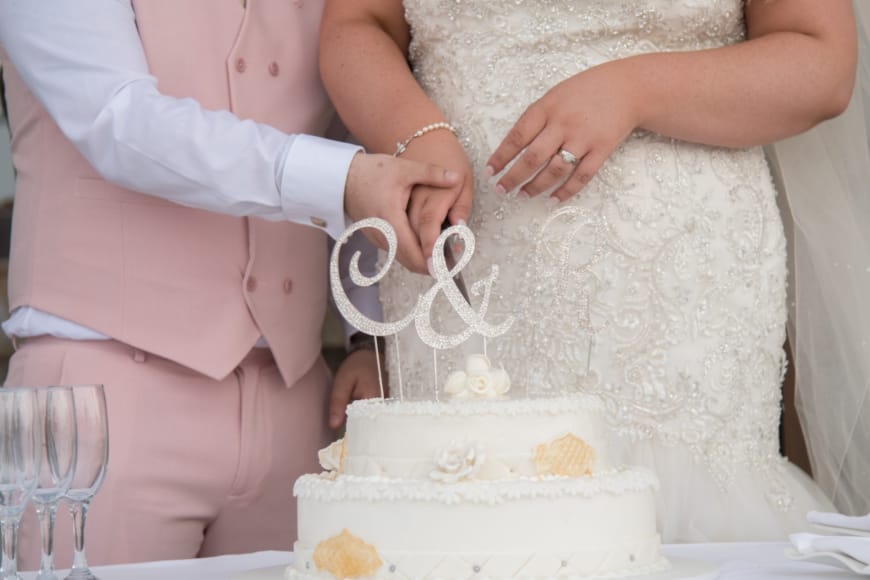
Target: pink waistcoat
pixel 193 286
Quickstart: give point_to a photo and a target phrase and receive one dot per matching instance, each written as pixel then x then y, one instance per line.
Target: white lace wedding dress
pixel 661 287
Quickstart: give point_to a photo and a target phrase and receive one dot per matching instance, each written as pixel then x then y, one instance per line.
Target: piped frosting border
pixel 374 489
pixel 370 408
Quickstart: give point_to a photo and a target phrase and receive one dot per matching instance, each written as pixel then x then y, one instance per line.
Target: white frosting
pixel 376 489
pixel 497 566
pixel 603 524
pixel 403 439
pixel 450 490
pixel 503 408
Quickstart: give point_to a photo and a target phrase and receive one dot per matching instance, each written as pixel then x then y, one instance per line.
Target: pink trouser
pixel 197 467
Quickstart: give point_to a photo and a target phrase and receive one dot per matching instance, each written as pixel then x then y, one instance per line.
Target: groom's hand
pixel 356 378
pixel 380 186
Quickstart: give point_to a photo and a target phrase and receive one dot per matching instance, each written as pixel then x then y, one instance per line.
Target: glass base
pixel 81 574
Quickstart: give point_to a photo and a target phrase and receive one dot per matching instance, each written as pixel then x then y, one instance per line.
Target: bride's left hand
pixel 587 115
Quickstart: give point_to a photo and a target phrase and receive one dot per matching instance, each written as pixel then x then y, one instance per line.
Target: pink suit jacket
pixel 196 287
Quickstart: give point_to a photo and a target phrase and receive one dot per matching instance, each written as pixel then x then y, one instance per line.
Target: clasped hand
pixel 382 186
pixel 431 182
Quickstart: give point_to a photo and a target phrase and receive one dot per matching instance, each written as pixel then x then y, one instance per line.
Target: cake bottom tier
pixel 360 527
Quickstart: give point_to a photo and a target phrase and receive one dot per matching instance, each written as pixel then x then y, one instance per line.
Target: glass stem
pixel 79 512
pixel 9 560
pixel 46 514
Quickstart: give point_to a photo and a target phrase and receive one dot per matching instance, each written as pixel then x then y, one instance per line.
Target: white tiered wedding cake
pixel 476 486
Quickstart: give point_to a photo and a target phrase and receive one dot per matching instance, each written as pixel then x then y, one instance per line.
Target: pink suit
pixel 207 433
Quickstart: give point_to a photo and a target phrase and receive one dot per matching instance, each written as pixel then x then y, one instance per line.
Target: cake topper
pixel 421 314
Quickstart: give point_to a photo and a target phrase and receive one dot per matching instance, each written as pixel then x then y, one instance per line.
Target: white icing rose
pixel 459 461
pixel 331 457
pixel 477 364
pixel 478 381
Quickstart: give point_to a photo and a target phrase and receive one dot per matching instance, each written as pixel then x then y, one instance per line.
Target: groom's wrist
pixel 363 341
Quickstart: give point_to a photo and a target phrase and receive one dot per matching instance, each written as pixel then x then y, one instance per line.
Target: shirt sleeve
pixel 84 62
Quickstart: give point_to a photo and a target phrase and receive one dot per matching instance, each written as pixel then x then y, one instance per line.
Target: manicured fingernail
pixel 487 173
pixel 451 175
pixel 461 222
pixel 523 194
pixel 499 189
pixel 552 201
pixel 431 267
pixel 334 421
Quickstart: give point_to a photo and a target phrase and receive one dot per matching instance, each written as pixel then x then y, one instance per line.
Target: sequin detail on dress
pixel 661 287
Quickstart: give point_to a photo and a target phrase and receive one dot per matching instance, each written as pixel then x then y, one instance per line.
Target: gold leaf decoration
pixel 568 455
pixel 346 556
pixel 331 458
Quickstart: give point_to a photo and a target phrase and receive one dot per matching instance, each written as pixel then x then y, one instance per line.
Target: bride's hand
pixel 586 117
pixel 430 206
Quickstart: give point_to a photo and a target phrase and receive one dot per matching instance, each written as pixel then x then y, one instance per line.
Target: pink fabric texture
pixel 189 285
pixel 206 434
pixel 197 467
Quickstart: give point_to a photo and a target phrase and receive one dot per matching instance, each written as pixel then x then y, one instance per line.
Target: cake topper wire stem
pixel 399 366
pixel 380 373
pixel 435 371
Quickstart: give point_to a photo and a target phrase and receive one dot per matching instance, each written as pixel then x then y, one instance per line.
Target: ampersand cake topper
pixel 421 314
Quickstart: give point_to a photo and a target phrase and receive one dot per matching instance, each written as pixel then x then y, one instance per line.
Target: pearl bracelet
pixel 400 147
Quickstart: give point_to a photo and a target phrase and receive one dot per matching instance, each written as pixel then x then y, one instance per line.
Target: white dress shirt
pixel 83 61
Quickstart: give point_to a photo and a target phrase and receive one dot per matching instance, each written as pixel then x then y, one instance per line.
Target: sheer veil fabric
pixel 825 174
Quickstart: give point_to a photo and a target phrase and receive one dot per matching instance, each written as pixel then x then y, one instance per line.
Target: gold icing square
pixel 568 455
pixel 346 556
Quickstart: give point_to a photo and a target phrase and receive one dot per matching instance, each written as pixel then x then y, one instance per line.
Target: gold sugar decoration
pixel 332 457
pixel 347 556
pixel 568 455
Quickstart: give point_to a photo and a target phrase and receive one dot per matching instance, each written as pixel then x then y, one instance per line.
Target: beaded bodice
pixel 661 286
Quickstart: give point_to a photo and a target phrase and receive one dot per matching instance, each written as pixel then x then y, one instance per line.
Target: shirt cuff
pixel 312 182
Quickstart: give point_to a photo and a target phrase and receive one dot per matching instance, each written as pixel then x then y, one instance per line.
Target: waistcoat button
pixel 273 69
pixel 251 284
pixel 241 65
pixel 288 285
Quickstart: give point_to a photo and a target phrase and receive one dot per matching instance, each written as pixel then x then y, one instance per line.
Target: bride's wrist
pixel 641 98
pixel 438 126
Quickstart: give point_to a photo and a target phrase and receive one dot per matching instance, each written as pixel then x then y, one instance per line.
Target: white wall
pixel 6 181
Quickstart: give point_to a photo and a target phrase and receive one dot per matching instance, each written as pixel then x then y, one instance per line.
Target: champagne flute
pixel 92 433
pixel 20 455
pixel 57 409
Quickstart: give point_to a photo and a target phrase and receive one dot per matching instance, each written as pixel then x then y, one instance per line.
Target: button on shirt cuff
pixel 312 182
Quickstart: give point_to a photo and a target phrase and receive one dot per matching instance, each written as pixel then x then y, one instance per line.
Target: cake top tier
pixel 472 439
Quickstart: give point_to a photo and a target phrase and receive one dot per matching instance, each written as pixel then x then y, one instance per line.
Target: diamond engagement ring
pixel 568 157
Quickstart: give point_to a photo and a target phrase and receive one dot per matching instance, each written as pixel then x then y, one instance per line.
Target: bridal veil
pixel 825 174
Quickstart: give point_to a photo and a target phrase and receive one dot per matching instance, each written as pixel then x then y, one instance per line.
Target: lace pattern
pixel 661 287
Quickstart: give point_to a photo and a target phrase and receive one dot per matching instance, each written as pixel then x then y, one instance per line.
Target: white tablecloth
pixel 744 561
